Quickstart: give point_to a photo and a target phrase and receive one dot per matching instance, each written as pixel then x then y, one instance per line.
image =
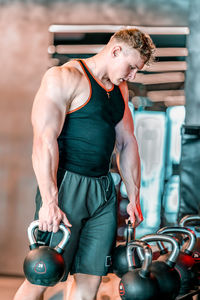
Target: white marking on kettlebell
pixel 121 289
pixel 40 268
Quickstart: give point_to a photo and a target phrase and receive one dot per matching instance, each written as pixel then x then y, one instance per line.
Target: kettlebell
pixel 168 278
pixel 161 251
pixel 140 284
pixel 121 254
pixel 185 261
pixel 44 265
pixel 194 221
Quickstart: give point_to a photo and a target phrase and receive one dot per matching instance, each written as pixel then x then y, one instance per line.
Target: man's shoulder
pixel 71 66
pixel 69 70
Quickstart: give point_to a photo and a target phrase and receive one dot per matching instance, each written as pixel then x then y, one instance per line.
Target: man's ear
pixel 116 51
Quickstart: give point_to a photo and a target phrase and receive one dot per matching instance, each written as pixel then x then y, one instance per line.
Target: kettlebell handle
pixel 147 259
pixel 171 261
pixel 130 233
pixel 188 219
pixel 173 229
pixel 59 248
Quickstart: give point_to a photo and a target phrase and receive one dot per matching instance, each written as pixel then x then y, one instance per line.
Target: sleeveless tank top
pixel 88 136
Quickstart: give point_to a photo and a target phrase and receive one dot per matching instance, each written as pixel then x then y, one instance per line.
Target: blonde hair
pixel 136 39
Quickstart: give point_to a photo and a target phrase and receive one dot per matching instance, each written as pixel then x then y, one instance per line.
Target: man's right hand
pixel 50 217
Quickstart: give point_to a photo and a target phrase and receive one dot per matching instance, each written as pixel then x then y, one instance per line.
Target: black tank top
pixel 87 139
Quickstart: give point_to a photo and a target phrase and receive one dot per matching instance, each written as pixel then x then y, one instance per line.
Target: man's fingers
pixel 50 222
pixel 44 226
pixel 65 221
pixel 132 221
pixel 50 227
pixel 55 228
pixel 135 214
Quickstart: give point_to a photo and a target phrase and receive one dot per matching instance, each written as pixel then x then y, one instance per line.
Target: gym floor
pixel 108 289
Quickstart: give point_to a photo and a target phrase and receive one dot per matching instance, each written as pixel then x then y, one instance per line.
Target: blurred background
pixel 164 101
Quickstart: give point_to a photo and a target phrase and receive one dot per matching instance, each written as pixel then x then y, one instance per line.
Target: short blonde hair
pixel 137 39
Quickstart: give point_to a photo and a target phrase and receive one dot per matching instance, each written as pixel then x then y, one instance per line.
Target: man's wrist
pixel 134 190
pixel 134 194
pixel 49 202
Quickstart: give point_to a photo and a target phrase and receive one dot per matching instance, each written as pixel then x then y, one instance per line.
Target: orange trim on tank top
pixel 99 82
pixel 123 98
pixel 122 95
pixel 89 97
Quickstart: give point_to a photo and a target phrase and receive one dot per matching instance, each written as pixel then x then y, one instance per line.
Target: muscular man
pixel 79 115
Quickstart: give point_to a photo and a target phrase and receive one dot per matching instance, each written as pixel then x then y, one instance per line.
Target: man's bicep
pixel 124 129
pixel 47 119
pixel 48 110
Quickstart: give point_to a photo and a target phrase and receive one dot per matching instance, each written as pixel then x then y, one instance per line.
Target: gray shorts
pixel 91 207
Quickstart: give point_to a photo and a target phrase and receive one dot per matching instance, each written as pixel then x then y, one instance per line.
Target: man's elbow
pixel 119 146
pixel 128 143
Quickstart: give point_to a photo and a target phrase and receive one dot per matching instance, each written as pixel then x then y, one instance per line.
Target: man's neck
pixel 98 66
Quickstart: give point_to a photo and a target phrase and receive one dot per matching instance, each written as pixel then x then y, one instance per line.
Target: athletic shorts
pixel 90 205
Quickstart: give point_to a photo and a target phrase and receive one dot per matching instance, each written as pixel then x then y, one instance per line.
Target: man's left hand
pixel 135 213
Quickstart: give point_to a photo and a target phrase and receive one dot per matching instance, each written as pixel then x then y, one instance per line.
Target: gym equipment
pixel 44 265
pixel 168 278
pixel 123 203
pixel 156 254
pixel 193 221
pixel 185 260
pixel 121 254
pixel 139 284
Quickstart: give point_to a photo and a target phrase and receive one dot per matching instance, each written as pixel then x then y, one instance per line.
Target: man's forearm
pixel 45 164
pixel 128 161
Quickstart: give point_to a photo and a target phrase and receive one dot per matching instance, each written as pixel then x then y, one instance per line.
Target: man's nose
pixel 132 75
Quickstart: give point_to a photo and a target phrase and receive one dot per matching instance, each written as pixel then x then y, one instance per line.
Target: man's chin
pixel 117 82
pixel 120 81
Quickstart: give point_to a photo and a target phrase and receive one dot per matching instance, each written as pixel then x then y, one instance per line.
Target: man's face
pixel 124 65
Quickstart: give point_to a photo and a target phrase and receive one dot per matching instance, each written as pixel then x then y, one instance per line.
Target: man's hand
pixel 134 211
pixel 50 216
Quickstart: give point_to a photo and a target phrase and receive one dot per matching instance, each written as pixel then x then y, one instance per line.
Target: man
pixel 79 115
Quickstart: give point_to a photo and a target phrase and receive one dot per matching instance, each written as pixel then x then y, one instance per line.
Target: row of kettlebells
pixel 147 275
pixel 144 275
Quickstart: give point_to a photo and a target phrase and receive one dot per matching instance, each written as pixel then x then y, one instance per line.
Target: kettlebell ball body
pixel 44 266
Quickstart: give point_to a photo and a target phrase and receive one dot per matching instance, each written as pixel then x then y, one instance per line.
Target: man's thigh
pixel 97 240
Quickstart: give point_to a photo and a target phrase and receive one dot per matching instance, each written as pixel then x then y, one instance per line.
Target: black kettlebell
pixel 45 265
pixel 168 278
pixel 140 284
pixel 120 255
pixel 185 261
pixel 193 221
